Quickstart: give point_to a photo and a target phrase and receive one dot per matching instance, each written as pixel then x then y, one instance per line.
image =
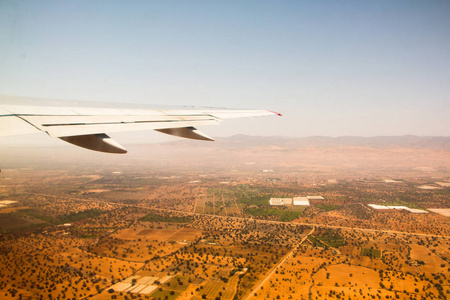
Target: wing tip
pixel 276 113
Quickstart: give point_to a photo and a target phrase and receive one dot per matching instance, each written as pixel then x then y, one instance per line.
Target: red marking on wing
pixel 275 113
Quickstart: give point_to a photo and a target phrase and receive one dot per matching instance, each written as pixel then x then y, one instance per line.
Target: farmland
pixel 207 232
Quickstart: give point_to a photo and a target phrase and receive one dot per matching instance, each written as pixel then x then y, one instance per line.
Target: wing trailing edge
pixel 87 127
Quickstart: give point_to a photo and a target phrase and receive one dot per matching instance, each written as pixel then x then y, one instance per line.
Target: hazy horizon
pixel 39 140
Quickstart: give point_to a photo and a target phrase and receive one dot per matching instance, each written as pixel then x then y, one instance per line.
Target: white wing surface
pixel 88 126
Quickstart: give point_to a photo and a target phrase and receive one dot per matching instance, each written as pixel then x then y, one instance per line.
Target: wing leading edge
pixel 88 127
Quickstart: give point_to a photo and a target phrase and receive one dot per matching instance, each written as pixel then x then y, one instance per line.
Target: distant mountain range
pixel 378 142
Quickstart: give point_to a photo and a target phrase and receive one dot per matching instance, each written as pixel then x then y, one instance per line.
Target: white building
pixel 399 207
pixel 301 201
pixel 276 201
pixel 315 198
pixel 287 201
pixel 376 206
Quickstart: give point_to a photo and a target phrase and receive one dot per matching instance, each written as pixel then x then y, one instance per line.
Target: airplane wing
pixel 87 127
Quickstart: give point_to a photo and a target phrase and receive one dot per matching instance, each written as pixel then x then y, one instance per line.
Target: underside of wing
pixel 88 127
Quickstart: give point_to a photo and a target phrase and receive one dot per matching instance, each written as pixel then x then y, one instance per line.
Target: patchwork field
pixel 151 227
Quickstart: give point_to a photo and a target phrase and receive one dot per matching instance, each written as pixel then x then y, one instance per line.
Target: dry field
pixel 205 230
pixel 318 273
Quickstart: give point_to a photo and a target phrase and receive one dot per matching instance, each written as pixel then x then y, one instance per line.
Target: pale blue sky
pixel 332 68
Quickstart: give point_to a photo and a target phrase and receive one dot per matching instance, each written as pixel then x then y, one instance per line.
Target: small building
pixel 376 206
pixel 418 211
pixel 301 201
pixel 288 201
pixel 276 201
pixel 4 203
pixel 315 198
pixel 397 207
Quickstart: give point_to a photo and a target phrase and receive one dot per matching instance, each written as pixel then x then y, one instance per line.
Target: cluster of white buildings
pixel 294 201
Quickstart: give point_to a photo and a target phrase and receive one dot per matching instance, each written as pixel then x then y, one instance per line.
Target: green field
pixel 374 253
pixel 263 211
pixel 315 241
pixel 329 238
pixel 332 241
pixel 255 200
pixel 284 214
pixel 81 215
pixel 288 216
pixel 35 214
pixel 17 222
pixel 158 218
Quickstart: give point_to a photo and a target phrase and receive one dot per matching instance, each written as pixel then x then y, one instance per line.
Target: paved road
pixel 273 270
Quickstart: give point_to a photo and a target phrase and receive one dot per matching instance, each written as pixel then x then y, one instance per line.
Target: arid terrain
pixel 192 220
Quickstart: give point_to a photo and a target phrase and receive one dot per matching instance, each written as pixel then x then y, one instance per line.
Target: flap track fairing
pixel 186 132
pixel 97 142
